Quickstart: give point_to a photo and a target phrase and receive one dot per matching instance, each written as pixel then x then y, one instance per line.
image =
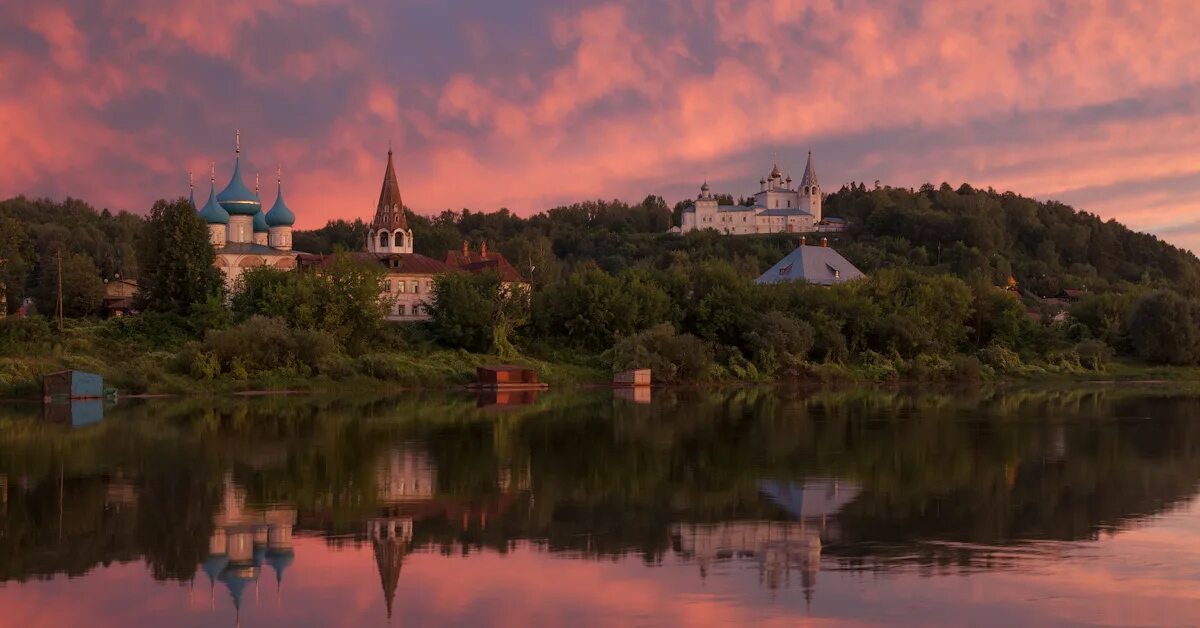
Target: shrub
pixel 776 340
pixel 671 357
pixel 1093 354
pixel 1001 358
pixel 966 368
pixel 24 335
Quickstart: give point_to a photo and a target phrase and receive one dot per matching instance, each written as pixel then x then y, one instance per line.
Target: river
pixel 747 506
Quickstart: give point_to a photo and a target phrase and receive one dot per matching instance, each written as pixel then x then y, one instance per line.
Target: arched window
pixel 400 239
pixel 383 240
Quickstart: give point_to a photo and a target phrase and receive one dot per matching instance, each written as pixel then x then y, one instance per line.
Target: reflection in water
pixel 781 483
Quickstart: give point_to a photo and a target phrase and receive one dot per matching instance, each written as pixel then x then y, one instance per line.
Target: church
pixel 778 207
pixel 408 281
pixel 242 233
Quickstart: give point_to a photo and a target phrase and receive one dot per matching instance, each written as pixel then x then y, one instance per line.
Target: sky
pixel 528 104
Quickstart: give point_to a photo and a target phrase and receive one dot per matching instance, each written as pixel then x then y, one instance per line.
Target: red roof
pixel 476 262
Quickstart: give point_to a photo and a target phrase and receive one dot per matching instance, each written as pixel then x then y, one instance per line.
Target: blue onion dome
pixel 280 215
pixel 236 198
pixel 280 560
pixel 214 565
pixel 212 212
pixel 260 222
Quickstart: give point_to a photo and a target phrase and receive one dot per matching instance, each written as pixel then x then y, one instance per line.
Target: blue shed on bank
pixel 72 385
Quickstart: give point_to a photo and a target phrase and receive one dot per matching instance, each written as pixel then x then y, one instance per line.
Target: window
pixel 789 203
pixel 429 286
pixel 387 285
pixel 416 287
pixel 400 239
pixel 418 310
pixel 400 286
pixel 402 309
pixel 383 240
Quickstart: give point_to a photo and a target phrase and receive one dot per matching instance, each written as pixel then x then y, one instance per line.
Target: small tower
pixel 810 190
pixel 238 201
pixel 280 219
pixel 389 232
pixel 213 213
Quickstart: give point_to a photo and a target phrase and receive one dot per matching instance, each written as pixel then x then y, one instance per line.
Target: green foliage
pixel 341 299
pixel 1093 354
pixel 261 345
pixel 24 335
pixel 477 312
pixel 1165 328
pixel 775 340
pixel 591 308
pixel 672 357
pixel 176 259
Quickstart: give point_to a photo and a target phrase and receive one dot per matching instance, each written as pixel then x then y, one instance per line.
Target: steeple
pixel 810 175
pixel 389 556
pixel 389 213
pixel 192 191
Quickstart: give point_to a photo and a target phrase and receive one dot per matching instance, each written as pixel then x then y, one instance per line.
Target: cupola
pixel 236 198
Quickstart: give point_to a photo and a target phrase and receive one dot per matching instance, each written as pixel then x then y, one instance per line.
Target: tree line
pixel 610 286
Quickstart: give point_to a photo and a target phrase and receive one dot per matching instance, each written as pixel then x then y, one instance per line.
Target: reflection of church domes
pixel 280 560
pixel 214 565
pixel 236 579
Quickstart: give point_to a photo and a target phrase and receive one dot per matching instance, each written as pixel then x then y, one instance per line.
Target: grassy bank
pixel 148 357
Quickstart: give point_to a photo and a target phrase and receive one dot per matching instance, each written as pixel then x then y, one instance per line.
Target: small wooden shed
pixel 507 376
pixel 633 378
pixel 72 385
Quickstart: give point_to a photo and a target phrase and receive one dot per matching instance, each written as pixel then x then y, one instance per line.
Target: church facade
pixel 778 207
pixel 244 235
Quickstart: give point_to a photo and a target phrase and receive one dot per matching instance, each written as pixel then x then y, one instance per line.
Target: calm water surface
pixel 754 506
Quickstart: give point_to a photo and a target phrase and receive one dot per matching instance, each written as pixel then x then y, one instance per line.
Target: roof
pixel 396 263
pixel 249 248
pixel 810 174
pixel 212 212
pixel 389 213
pixel 813 264
pixel 280 215
pixel 782 211
pixel 476 262
pixel 236 198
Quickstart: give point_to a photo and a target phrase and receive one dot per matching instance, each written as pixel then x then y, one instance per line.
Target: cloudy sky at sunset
pixel 530 103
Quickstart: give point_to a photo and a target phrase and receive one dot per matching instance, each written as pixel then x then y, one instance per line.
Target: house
pixel 118 296
pixel 813 264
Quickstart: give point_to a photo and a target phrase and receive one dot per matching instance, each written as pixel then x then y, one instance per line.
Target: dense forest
pixel 962 283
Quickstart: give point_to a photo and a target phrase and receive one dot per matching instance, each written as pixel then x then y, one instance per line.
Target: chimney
pixel 824 242
pixel 483 249
pixel 466 250
pixel 803 241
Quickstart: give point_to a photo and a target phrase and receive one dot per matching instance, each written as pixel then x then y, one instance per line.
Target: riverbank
pixel 161 372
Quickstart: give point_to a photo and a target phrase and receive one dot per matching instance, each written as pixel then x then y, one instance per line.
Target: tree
pixel 477 312
pixel 1165 328
pixel 341 299
pixel 82 288
pixel 176 259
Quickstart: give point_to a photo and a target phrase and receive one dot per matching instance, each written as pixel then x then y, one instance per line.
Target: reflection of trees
pixel 586 474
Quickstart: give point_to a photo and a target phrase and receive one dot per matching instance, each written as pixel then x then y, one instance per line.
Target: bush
pixel 1001 358
pixel 259 345
pixel 966 368
pixel 671 357
pixel 776 340
pixel 24 335
pixel 1093 354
